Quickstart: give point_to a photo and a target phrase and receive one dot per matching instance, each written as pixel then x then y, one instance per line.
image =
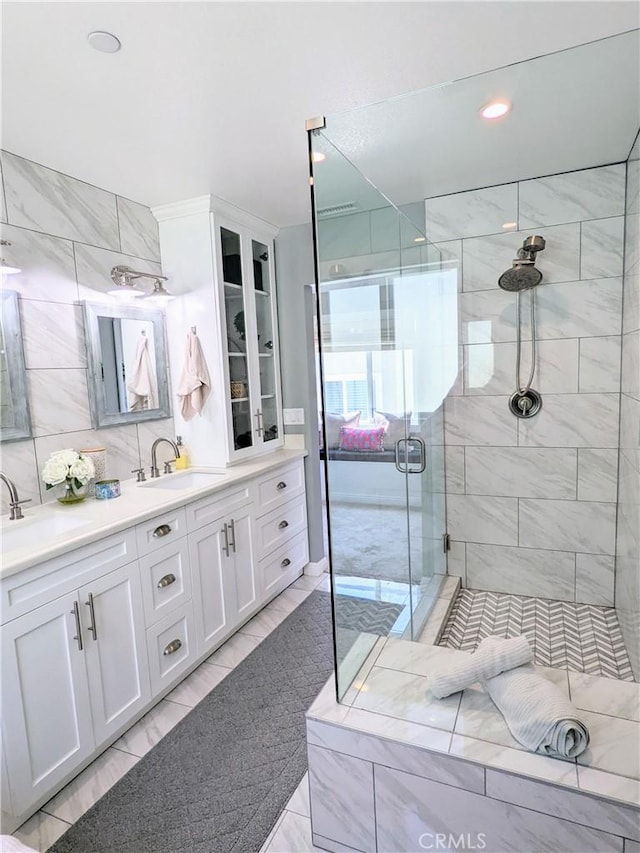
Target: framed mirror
pixel 127 360
pixel 15 422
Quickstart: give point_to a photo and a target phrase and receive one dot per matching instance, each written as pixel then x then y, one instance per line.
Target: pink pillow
pixel 362 439
pixel 333 424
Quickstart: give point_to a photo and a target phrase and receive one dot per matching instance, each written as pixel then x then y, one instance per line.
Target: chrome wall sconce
pixel 126 279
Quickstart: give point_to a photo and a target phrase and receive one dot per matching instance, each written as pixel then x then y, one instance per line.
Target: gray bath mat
pixel 218 781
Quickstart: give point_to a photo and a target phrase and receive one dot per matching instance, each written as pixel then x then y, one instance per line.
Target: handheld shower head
pixel 523 275
pixel 520 277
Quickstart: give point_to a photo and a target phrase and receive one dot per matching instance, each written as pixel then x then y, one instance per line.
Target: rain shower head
pixel 523 275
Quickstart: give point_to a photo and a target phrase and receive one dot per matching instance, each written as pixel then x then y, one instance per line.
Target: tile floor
pixel 578 637
pixel 55 817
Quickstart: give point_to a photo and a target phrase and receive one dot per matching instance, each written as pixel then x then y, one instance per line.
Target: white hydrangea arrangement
pixel 67 466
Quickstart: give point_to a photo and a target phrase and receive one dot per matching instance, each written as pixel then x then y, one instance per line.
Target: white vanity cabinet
pixel 92 639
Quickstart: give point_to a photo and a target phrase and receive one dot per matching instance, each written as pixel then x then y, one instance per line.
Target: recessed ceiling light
pixel 104 42
pixel 419 239
pixel 510 225
pixel 495 109
pixel 318 156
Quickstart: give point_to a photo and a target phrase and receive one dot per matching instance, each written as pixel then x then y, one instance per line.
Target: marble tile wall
pixel 627 589
pixel 65 236
pixel 532 503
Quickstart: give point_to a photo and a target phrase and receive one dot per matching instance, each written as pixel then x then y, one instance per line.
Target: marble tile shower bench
pixel 392 769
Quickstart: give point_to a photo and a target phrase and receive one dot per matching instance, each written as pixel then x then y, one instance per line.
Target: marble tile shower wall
pixel 627 596
pixel 65 236
pixel 532 503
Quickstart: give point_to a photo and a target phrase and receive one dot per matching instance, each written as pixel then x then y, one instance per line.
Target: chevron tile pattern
pixel 581 637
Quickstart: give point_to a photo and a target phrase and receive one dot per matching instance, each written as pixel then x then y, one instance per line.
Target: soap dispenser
pixel 182 462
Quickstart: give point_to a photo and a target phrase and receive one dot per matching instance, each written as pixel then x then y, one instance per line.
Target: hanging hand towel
pixel 493 656
pixel 195 385
pixel 142 384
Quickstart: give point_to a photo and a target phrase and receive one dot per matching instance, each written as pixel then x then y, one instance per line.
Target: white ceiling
pixel 212 96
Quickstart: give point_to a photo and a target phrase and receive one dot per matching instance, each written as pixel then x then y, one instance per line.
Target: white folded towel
pixel 195 384
pixel 493 656
pixel 538 714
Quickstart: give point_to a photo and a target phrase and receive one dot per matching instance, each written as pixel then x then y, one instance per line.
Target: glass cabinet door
pixel 262 285
pixel 236 328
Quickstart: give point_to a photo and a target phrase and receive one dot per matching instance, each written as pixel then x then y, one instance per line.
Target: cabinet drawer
pixel 281 567
pixel 157 532
pixel 166 579
pixel 276 488
pixel 279 526
pixel 33 587
pixel 171 647
pixel 202 512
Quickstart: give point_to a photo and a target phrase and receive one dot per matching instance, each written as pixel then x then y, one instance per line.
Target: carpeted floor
pixel 370 541
pixel 218 781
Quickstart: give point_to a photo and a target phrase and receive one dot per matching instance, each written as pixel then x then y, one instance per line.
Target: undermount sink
pixel 31 531
pixel 188 480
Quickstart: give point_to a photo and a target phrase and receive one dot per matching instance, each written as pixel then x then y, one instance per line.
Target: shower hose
pixel 524 403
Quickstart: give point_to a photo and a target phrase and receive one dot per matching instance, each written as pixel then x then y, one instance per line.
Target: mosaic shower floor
pixel 579 637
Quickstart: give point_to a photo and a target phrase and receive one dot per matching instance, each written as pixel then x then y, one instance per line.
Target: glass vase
pixel 72 494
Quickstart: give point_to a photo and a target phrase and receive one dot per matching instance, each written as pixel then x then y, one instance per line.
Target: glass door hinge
pixel 446 542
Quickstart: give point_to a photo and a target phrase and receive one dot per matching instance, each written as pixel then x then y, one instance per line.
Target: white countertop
pixel 137 502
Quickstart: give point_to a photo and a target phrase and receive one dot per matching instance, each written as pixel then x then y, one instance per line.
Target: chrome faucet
pixel 15 511
pixel 154 463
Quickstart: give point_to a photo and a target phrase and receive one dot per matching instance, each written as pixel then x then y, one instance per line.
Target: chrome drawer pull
pixel 167 580
pixel 92 626
pixel 78 634
pixel 281 485
pixel 173 646
pixel 286 562
pixel 162 530
pixel 232 530
pixel 225 533
pixel 283 524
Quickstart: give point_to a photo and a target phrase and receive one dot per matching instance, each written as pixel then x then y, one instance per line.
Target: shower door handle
pixel 422 464
pixel 401 466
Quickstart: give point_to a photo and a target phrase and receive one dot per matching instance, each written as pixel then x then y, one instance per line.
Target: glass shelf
pixel 239 400
pixel 233 286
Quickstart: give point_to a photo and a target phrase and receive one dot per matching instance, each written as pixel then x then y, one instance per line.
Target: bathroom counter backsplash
pixel 99 518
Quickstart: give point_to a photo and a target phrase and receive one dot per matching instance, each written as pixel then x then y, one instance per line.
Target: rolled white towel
pixel 493 656
pixel 538 714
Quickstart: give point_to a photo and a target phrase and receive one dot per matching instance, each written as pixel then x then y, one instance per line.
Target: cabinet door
pixel 265 345
pixel 242 578
pixel 210 568
pixel 46 715
pixel 115 646
pixel 238 324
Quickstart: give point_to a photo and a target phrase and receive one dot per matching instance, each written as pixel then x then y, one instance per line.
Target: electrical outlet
pixel 293 416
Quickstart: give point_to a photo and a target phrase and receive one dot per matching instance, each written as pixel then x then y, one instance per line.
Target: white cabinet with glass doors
pixel 249 331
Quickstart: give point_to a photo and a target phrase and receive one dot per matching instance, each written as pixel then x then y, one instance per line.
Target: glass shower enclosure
pixel 388 357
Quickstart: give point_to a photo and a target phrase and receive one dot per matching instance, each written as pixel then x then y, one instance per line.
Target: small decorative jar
pixel 98 456
pixel 106 489
pixel 238 389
